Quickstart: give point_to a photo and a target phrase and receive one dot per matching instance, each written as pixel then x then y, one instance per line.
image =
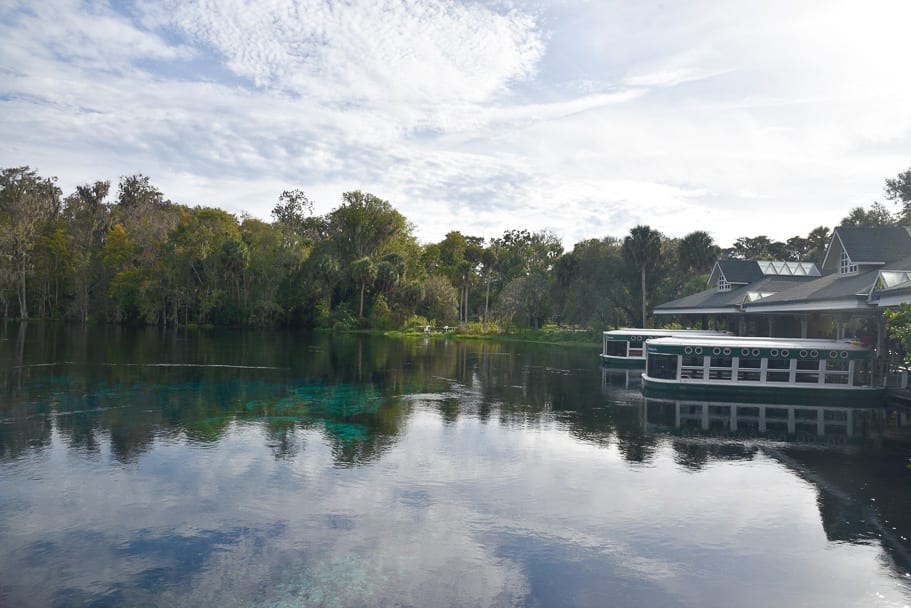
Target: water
pixel 279 469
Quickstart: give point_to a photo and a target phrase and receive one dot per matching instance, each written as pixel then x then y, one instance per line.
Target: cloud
pixel 389 51
pixel 476 116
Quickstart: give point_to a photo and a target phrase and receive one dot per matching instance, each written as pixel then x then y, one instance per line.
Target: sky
pixel 583 118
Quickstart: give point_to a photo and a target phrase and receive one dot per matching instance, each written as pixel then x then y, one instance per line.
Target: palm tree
pixel 697 252
pixel 642 248
pixel 363 272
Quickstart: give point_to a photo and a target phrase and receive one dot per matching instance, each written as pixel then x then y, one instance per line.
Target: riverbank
pixel 550 334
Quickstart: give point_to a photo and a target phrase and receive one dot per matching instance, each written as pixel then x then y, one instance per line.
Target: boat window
pixel 837 365
pixel 635 351
pixel 837 377
pixel 750 363
pixel 719 374
pixel 615 348
pixel 807 377
pixel 693 361
pixel 722 362
pixel 862 374
pixel 779 364
pixel 692 373
pixel 663 367
pixel 748 375
pixel 777 376
pixel 812 364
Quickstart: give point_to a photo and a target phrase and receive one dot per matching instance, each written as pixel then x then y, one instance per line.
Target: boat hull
pixel 764 393
pixel 623 362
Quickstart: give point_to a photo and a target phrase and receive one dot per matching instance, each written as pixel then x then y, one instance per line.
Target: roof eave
pixel 853 303
pixel 697 311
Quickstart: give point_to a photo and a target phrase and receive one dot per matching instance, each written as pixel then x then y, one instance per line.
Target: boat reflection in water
pixel 794 423
pixel 618 378
pixel 838 450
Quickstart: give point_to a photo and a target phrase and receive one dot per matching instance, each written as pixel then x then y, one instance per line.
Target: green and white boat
pixel 772 370
pixel 625 347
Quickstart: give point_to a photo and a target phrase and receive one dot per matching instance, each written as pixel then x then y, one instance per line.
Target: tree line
pixel 133 256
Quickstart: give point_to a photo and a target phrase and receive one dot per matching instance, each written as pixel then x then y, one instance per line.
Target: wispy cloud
pixel 580 117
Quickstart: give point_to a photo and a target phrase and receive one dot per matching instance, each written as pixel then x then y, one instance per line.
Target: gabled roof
pixel 867 245
pixel 738 271
pixel 712 301
pixel 892 284
pixel 829 287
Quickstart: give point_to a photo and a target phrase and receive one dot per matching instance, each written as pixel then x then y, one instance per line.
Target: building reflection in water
pixel 852 456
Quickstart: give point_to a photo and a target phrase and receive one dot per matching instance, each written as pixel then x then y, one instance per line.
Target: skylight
pixel 890 279
pixel 795 269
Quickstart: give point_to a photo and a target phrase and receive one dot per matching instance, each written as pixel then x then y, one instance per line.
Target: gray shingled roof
pixel 875 244
pixel 712 298
pixel 828 287
pixel 740 271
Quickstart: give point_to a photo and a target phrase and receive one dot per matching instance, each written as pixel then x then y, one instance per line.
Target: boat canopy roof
pixel 766 343
pixel 649 333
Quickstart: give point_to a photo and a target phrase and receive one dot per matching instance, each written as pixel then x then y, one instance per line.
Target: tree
pixel 817 243
pixel 88 218
pixel 598 295
pixel 642 248
pixel 697 252
pixel 440 302
pixel 525 297
pixel 363 271
pixel 324 265
pixel 141 275
pixel 750 248
pixel 876 216
pixel 489 266
pixel 26 201
pixel 521 252
pixel 566 270
pixel 366 226
pixel 898 190
pixel 294 211
pixel 797 247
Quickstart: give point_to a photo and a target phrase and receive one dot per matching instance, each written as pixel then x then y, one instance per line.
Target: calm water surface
pixel 281 469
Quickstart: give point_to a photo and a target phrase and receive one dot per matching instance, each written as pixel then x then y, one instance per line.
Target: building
pixel 864 271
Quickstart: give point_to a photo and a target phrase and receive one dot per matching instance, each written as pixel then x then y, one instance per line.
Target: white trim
pixel 697 311
pixel 846 266
pixel 803 306
pixel 746 384
pixel 709 281
pixel 829 248
pixel 893 300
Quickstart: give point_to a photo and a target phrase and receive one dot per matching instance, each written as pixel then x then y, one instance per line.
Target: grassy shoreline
pixel 547 335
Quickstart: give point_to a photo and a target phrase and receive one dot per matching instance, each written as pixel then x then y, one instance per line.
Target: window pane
pixel 778 376
pixel 616 348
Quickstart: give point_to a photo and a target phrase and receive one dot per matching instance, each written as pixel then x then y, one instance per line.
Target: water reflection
pixel 281 469
pixel 838 450
pixel 792 423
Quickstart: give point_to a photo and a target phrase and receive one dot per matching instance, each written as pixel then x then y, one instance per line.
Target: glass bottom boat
pixel 762 370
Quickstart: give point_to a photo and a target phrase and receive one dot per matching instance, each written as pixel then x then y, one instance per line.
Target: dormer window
pixel 723 284
pixel 846 266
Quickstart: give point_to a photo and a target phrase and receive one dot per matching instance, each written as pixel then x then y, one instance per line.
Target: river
pixel 270 468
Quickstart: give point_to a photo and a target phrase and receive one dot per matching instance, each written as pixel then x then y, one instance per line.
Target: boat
pixel 775 370
pixel 624 347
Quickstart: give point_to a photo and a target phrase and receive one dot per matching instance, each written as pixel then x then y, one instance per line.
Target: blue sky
pixel 580 117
